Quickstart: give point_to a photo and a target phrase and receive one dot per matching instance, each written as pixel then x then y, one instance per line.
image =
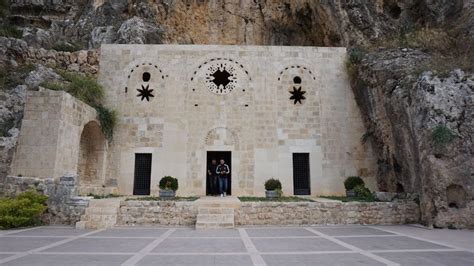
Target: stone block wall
pixel 308 213
pixel 134 212
pixel 63 205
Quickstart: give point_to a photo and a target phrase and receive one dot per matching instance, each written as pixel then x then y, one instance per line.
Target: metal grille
pixel 301 174
pixel 141 185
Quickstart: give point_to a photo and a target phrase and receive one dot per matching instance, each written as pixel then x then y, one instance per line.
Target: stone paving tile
pixel 2 256
pixel 390 242
pixel 131 232
pixel 319 259
pixel 18 244
pixel 348 231
pixel 102 245
pixel 51 231
pixel 295 244
pixel 69 260
pixel 278 232
pixel 196 260
pixel 189 232
pixel 176 245
pixel 454 258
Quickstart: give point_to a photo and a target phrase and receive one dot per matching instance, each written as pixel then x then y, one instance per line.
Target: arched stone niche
pixel 91 161
pixel 456 196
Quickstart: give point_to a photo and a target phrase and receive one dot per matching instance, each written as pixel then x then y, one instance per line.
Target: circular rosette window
pixel 221 77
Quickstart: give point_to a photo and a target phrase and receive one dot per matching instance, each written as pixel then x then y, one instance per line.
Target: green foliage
pixel 352 181
pixel 13 76
pixel 153 198
pixel 272 184
pixel 356 55
pixel 169 182
pixel 442 135
pixel 364 193
pixel 95 196
pixel 4 6
pixel 8 30
pixel 66 47
pixel 53 85
pixel 349 199
pixel 365 137
pixel 24 210
pixel 6 125
pixel 279 199
pixel 108 120
pixel 88 90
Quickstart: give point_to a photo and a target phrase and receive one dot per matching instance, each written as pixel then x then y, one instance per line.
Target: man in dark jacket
pixel 212 178
pixel 223 171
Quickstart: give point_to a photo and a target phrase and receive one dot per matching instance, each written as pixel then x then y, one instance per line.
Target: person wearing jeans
pixel 223 171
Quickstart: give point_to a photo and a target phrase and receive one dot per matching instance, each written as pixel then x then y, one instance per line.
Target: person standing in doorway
pixel 223 171
pixel 212 178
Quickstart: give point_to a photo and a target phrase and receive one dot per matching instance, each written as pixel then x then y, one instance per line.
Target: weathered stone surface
pixel 63 205
pixel 39 75
pixel 402 111
pixel 138 31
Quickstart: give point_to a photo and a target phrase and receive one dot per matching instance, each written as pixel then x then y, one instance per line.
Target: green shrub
pixel 88 90
pixel 108 120
pixel 363 192
pixel 66 47
pixel 6 125
pixel 8 30
pixel 169 182
pixel 442 135
pixel 272 184
pixel 53 85
pixel 24 210
pixel 353 181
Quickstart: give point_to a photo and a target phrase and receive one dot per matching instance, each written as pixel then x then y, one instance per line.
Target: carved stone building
pixel 282 112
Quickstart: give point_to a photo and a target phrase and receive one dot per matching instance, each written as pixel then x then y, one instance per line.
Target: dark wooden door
pixel 301 175
pixel 142 176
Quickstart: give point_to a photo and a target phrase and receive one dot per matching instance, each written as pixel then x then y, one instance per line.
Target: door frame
pixel 137 191
pixel 309 173
pixel 227 161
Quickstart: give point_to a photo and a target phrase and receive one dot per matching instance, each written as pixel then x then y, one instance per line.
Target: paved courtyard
pixel 322 245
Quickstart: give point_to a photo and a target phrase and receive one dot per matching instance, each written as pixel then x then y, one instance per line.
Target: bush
pixel 353 181
pixel 108 121
pixel 363 192
pixel 8 30
pixel 24 210
pixel 169 182
pixel 442 135
pixel 272 184
pixel 66 47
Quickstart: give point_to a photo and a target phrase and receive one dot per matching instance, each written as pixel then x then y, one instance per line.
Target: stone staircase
pixel 101 213
pixel 215 212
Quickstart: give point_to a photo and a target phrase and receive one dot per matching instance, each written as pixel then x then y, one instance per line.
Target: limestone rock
pixel 385 196
pixel 138 31
pixel 39 75
pixel 402 111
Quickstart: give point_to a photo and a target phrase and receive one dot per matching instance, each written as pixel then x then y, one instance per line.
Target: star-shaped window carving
pixel 297 95
pixel 145 93
pixel 221 77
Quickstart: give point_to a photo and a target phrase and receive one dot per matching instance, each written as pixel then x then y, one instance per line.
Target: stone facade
pixel 134 212
pixel 308 213
pixel 64 207
pixel 176 103
pixel 253 117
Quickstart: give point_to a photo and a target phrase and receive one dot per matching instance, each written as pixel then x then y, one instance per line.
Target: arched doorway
pixel 91 161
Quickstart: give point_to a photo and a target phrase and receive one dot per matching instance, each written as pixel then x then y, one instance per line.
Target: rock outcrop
pixel 422 128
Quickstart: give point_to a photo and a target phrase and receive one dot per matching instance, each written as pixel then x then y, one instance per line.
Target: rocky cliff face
pixel 420 124
pixel 255 22
pixel 422 128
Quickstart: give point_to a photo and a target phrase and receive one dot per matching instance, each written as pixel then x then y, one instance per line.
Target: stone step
pixel 215 218
pixel 101 213
pixel 202 226
pixel 214 210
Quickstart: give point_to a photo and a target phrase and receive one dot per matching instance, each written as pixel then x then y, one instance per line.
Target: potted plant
pixel 352 182
pixel 273 188
pixel 168 186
